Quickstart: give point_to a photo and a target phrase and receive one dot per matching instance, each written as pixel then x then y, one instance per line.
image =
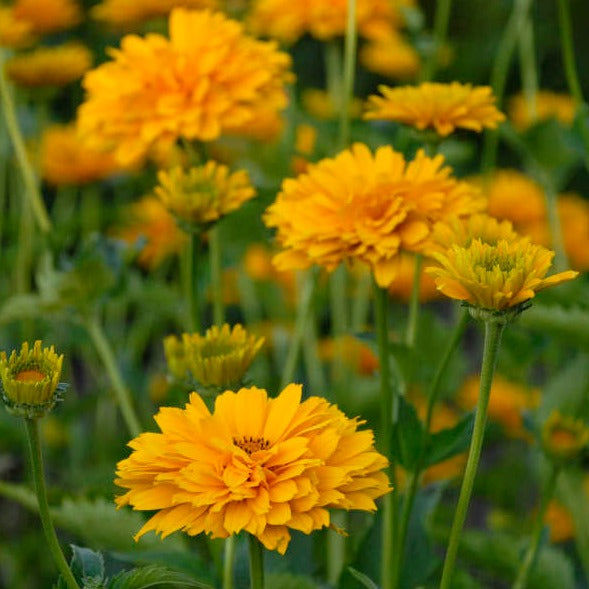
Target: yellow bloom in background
pixel 48 16
pixel 495 276
pixel 391 56
pixel 560 522
pixel 564 438
pixel 364 206
pixel 14 33
pixel 130 12
pixel 257 264
pixel 65 160
pixel 264 466
pixel 574 220
pixel 355 353
pixel 443 107
pixel 30 379
pixel 156 90
pixel 548 105
pixel 50 66
pixel 319 104
pixel 402 285
pixel 149 221
pixel 202 195
pixel 220 358
pixel 507 403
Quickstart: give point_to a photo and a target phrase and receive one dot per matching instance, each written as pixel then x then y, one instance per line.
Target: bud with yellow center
pixel 564 438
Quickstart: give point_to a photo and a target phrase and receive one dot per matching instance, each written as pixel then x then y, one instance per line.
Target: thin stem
pixel 333 71
pixel 528 68
pixel 339 323
pixel 521 581
pixel 493 332
pixel 551 198
pixel 191 295
pixel 336 548
pixel 414 303
pixel 228 561
pixel 39 479
pixel 256 560
pixel 18 143
pixel 106 354
pixel 361 302
pixel 216 278
pixel 349 70
pixel 441 19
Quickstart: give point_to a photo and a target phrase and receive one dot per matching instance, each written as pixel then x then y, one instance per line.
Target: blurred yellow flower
pixel 156 90
pixel 66 160
pixel 564 438
pixel 47 16
pixel 260 465
pixel 319 104
pixel 574 220
pixel 201 195
pixel 390 56
pixel 443 107
pixel 257 263
pixel 364 206
pixel 149 220
pixel 547 105
pixel 402 285
pixel 14 33
pixel 560 522
pixel 355 353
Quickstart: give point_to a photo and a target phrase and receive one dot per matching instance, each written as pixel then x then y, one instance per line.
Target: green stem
pixel 413 319
pixel 521 581
pixel 333 70
pixel 216 277
pixel 106 354
pixel 528 68
pixel 493 332
pixel 551 198
pixel 256 560
pixel 190 267
pixel 441 20
pixel 339 323
pixel 349 70
pixel 361 302
pixel 39 479
pixel 336 547
pixel 24 252
pixel 18 143
pixel 228 561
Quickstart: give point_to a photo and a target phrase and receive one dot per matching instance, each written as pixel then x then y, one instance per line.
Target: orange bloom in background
pixel 574 220
pixel 364 206
pixel 156 90
pixel 149 220
pixel 548 105
pixel 560 522
pixel 257 264
pixel 47 16
pixel 391 56
pixel 14 33
pixel 50 66
pixel 260 465
pixel 65 160
pixel 129 12
pixel 507 403
pixel 355 353
pixel 443 107
pixel 402 286
pixel 319 104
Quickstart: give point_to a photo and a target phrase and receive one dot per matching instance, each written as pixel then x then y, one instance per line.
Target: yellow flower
pixel 443 107
pixel 365 206
pixel 14 33
pixel 560 522
pixel 47 16
pixel 523 115
pixel 66 160
pixel 260 465
pixel 207 79
pixel 220 358
pixel 257 263
pixel 564 438
pixel 30 380
pixel 574 219
pixel 149 220
pixel 391 56
pixel 127 12
pixel 201 195
pixel 355 353
pixel 319 104
pixel 497 276
pixel 402 286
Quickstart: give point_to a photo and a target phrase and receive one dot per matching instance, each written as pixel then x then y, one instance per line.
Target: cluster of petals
pixel 266 466
pixel 524 113
pixel 365 206
pixel 442 107
pixel 209 78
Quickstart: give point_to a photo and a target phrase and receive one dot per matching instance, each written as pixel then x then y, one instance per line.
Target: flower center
pixel 31 375
pixel 492 260
pixel 250 444
pixel 563 439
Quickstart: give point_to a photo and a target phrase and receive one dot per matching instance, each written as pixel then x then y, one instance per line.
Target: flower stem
pixel 191 260
pixel 349 70
pixel 256 560
pixel 441 19
pixel 216 278
pixel 39 479
pixel 529 70
pixel 414 303
pixel 228 561
pixel 106 354
pixel 493 332
pixel 521 581
pixel 338 317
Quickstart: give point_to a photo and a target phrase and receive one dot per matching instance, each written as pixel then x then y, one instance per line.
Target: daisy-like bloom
pixel 30 380
pixel 443 107
pixel 50 66
pixel 220 358
pixel 207 79
pixel 65 160
pixel 148 221
pixel 564 438
pixel 391 56
pixel 201 195
pixel 129 12
pixel 48 16
pixel 367 207
pixel 261 465
pixel 548 105
pixel 14 33
pixel 495 277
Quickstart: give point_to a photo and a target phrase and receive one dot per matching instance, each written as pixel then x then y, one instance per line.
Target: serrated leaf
pixel 407 436
pixel 86 563
pixel 362 578
pixel 451 441
pixel 289 581
pixel 153 576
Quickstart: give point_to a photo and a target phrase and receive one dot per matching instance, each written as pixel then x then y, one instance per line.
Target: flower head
pixel 47 16
pixel 30 380
pixel 207 79
pixel 14 33
pixel 546 105
pixel 564 438
pixel 201 195
pixel 261 465
pixel 391 56
pixel 365 206
pixel 495 277
pixel 443 107
pixel 220 358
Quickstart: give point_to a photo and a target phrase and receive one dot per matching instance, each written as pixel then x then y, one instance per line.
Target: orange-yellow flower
pixel 546 105
pixel 365 206
pixel 391 56
pixel 261 465
pixel 319 103
pixel 443 107
pixel 402 286
pixel 207 79
pixel 47 16
pixel 50 66
pixel 14 33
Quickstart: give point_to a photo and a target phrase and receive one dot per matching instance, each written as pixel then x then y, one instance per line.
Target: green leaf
pixel 407 436
pixel 450 442
pixel 362 578
pixel 153 576
pixel 87 564
pixel 289 581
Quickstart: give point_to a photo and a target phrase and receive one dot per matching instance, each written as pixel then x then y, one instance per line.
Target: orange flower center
pixel 30 376
pixel 563 439
pixel 250 444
